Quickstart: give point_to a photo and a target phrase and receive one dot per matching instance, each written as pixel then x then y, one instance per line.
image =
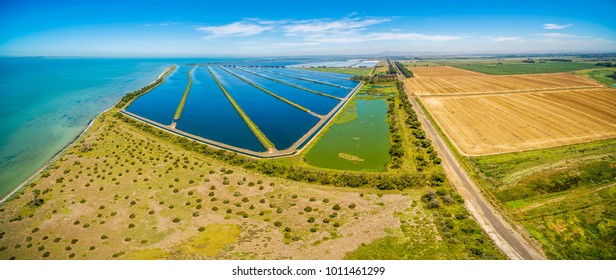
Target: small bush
pixel 307 209
pixel 336 207
pixel 176 220
pixel 352 206
pixel 201 229
pixel 311 220
pixel 278 223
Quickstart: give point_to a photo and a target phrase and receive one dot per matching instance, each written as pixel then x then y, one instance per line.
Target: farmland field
pixel 516 66
pixel 480 125
pixel 435 80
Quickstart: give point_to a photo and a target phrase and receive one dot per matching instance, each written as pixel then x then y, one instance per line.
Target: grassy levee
pixel 269 92
pixel 178 112
pixel 127 99
pixel 289 84
pixel 308 80
pixel 253 127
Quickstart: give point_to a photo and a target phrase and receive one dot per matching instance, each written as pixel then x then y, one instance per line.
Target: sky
pixel 178 28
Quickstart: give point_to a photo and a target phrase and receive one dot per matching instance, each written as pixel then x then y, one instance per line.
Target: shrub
pixel 336 224
pixel 313 199
pixel 326 200
pixel 336 207
pixel 278 223
pixel 104 237
pixel 176 220
pixel 294 196
pixel 307 209
pixel 311 220
pixel 201 229
pixel 313 229
pixel 352 206
pixel 131 225
pixel 74 241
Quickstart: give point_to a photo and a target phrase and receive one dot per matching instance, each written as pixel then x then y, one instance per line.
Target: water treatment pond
pixel 160 103
pixel 209 114
pixel 357 140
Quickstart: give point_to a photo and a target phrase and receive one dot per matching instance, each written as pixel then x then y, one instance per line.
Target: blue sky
pixel 255 28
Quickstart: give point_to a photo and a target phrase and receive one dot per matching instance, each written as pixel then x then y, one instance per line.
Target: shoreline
pixel 46 165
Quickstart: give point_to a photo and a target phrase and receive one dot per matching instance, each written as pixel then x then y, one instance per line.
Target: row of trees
pixel 406 72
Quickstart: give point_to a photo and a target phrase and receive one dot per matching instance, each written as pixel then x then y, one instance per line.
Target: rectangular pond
pixel 316 103
pixel 209 114
pixel 331 90
pixel 305 74
pixel 282 123
pixel 160 103
pixel 357 140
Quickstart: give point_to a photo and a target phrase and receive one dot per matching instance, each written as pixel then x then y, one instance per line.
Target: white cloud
pixel 324 25
pixel 235 29
pixel 315 31
pixel 381 36
pixel 502 38
pixel 556 26
pixel 561 35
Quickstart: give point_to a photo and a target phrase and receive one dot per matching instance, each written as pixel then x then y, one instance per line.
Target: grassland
pixel 516 66
pixel 603 75
pixel 356 71
pixel 124 191
pixel 565 197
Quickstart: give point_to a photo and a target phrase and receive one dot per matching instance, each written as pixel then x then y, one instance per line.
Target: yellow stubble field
pixel 484 114
pixel 445 80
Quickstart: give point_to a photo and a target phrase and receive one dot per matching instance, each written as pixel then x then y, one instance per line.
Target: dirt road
pixel 500 231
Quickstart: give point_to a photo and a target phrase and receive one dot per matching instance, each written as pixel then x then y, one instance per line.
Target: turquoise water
pixel 47 102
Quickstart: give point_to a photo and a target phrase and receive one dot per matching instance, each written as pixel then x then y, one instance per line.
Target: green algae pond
pixel 357 140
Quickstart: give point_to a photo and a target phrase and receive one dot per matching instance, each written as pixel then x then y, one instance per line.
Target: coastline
pixel 55 157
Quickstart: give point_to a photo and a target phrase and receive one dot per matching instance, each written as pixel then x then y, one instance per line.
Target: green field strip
pixel 289 84
pixel 308 80
pixel 271 93
pixel 178 112
pixel 253 127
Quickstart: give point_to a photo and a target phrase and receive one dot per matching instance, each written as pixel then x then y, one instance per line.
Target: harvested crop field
pixel 443 80
pixel 500 123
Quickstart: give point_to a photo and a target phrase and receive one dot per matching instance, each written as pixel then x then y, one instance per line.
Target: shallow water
pixel 47 102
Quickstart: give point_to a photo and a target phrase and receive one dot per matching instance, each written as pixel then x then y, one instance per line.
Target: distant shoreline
pixel 61 151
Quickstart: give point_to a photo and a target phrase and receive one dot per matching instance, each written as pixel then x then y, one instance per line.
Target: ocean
pixel 46 102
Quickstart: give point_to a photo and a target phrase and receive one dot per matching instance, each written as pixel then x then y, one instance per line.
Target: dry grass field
pixel 490 124
pixel 445 80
